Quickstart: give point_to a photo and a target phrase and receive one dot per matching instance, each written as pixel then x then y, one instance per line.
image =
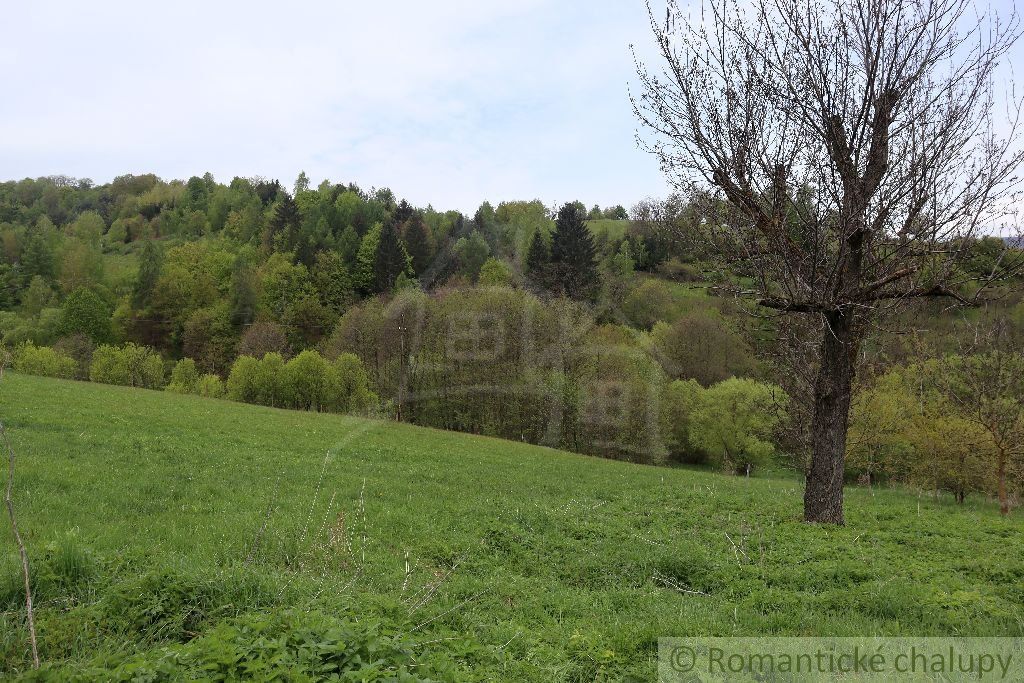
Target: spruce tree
pixel 391 260
pixel 366 259
pixel 537 260
pixel 37 253
pixel 419 243
pixel 284 224
pixel 573 255
pixel 150 264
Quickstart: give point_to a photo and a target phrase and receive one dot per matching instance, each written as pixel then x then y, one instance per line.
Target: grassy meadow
pixel 176 536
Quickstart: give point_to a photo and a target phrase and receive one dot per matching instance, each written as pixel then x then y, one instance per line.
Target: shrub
pixel 256 381
pixel 735 420
pixel 210 386
pixel 310 382
pixel 79 347
pixel 184 377
pixel 354 393
pixel 241 385
pixel 648 303
pixel 677 271
pixel 701 346
pixel 495 273
pixel 43 361
pixel 130 365
pixel 678 402
pixel 84 312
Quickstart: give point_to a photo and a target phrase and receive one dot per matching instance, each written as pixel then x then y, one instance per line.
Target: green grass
pixel 615 230
pixel 142 512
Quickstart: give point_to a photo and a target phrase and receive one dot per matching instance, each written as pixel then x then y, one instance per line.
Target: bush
pixel 79 347
pixel 184 377
pixel 130 365
pixel 84 312
pixel 256 381
pixel 354 393
pixel 701 346
pixel 735 420
pixel 648 303
pixel 678 402
pixel 210 386
pixel 677 271
pixel 310 382
pixel 241 385
pixel 43 361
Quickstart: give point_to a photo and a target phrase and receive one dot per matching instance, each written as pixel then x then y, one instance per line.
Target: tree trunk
pixel 1004 502
pixel 823 497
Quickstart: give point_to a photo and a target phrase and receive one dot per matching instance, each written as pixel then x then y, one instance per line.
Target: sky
pixel 447 102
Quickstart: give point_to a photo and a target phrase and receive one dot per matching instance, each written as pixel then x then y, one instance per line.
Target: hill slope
pixel 158 525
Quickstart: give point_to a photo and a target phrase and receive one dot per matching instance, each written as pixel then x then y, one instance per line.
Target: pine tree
pixel 390 261
pixel 573 255
pixel 419 243
pixel 284 225
pixel 37 254
pixel 366 258
pixel 150 264
pixel 537 261
pixel 402 213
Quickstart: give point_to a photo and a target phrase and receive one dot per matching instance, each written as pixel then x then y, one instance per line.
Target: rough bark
pixel 823 496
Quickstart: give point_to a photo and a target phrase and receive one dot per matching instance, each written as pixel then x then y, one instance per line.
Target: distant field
pixel 161 526
pixel 615 230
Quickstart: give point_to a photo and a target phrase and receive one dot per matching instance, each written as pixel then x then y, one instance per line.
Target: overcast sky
pixel 447 102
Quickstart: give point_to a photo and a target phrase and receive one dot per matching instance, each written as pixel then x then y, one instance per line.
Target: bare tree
pixel 853 149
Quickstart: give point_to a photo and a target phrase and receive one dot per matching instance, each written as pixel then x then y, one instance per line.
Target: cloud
pixel 449 102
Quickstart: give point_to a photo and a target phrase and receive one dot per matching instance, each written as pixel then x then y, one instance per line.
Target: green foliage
pixel 735 420
pixel 648 303
pixel 354 395
pixel 309 382
pixel 129 365
pixel 701 346
pixel 366 259
pixel 537 258
pixel 43 361
pixel 84 312
pixel 37 296
pixel 495 273
pixel 257 381
pixel 150 264
pixel 679 400
pixel 390 260
pixel 419 244
pixel 184 377
pixel 81 265
pixel 38 256
pixel 472 253
pixel 209 337
pixel 332 281
pixel 573 256
pixel 210 386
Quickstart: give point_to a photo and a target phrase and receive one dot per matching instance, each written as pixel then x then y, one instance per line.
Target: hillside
pixel 160 527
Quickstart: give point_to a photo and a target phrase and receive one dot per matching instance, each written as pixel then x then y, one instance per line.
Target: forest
pixel 603 331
